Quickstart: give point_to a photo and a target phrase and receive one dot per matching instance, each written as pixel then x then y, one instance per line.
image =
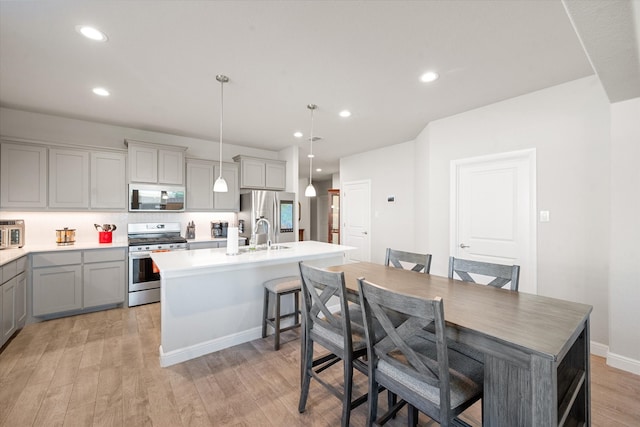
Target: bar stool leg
pixel 277 320
pixel 265 313
pixel 296 299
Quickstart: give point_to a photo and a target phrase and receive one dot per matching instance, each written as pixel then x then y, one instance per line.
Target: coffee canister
pixel 66 236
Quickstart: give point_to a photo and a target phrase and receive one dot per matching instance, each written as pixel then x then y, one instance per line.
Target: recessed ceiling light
pixel 345 113
pixel 429 76
pixel 319 170
pixel 101 91
pixel 91 33
pixel 297 134
pixel 311 156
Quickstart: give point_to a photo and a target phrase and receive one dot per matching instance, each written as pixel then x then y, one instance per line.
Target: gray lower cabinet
pixel 57 282
pixel 104 277
pixel 13 297
pixel 204 245
pixel 214 244
pixel 76 280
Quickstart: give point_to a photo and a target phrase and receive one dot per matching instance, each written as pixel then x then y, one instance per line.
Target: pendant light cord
pixel 311 148
pixel 221 117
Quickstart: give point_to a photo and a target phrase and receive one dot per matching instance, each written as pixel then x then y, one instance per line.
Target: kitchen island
pixel 211 300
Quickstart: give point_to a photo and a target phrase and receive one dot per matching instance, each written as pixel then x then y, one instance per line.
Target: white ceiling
pixel 161 60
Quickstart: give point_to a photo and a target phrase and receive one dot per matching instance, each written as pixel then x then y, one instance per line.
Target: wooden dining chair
pixel 408 260
pixel 333 331
pixel 413 363
pixel 502 274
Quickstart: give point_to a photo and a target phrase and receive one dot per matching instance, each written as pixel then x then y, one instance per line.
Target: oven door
pixel 142 273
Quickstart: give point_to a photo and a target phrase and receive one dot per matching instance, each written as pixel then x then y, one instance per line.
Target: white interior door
pixel 356 219
pixel 493 212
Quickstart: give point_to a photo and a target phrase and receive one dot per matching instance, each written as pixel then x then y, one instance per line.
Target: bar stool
pixel 279 287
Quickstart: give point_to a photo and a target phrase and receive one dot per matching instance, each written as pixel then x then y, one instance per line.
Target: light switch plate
pixel 544 216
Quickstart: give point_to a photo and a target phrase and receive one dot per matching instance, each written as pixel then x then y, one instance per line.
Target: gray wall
pixel 392 172
pixel 569 126
pixel 624 277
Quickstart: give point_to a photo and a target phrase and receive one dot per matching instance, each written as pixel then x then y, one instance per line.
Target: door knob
pixel 462 245
pixel 364 232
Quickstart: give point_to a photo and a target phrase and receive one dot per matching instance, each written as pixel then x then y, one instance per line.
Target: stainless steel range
pixel 144 239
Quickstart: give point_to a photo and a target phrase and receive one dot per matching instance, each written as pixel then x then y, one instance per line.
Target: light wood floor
pixel 102 369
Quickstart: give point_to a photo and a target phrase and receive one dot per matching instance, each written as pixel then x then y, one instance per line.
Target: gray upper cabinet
pixel 199 185
pixel 23 176
pixel 201 175
pixel 62 177
pixel 229 201
pixel 108 180
pixel 155 163
pixel 68 178
pixel 264 174
pixel 170 167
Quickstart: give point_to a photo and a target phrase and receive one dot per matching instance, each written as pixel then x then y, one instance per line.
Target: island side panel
pixel 209 312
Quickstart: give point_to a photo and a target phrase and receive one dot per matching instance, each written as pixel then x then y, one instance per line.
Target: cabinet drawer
pixel 48 259
pixel 21 265
pixel 9 270
pixel 104 255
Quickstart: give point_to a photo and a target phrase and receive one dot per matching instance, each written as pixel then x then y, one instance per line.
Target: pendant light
pixel 220 185
pixel 310 191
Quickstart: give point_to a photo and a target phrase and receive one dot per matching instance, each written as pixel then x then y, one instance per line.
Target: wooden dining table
pixel 536 349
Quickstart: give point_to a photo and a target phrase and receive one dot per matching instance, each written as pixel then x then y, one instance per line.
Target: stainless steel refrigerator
pixel 277 207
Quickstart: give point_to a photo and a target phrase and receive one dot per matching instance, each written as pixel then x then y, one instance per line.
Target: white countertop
pixel 8 255
pixel 186 263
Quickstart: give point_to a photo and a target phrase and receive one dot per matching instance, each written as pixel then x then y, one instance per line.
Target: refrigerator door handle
pixel 276 220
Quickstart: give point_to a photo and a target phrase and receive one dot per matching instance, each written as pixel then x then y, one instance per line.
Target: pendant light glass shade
pixel 310 191
pixel 220 186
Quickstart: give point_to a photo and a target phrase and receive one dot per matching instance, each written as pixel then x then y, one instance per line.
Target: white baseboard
pixel 615 360
pixel 188 353
pixel 625 363
pixel 598 349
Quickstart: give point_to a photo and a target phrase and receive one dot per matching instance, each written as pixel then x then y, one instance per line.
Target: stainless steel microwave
pixel 156 198
pixel 11 233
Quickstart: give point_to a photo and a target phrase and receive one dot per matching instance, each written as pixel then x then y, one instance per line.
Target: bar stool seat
pixel 279 287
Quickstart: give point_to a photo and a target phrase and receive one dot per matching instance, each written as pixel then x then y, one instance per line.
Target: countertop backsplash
pixel 40 227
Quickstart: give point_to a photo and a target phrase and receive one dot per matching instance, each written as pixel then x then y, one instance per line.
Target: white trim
pixel 200 349
pixel 598 349
pixel 622 362
pixel 527 154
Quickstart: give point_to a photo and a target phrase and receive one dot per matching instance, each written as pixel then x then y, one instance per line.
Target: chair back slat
pixel 417 262
pixel 318 287
pixel 394 345
pixel 501 274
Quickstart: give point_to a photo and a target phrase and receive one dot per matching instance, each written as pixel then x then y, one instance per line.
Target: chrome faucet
pixel 260 220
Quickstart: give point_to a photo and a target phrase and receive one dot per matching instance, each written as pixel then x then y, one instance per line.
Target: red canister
pixel 105 236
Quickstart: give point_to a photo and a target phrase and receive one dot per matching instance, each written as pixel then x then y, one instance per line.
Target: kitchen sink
pixel 278 247
pixel 246 249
